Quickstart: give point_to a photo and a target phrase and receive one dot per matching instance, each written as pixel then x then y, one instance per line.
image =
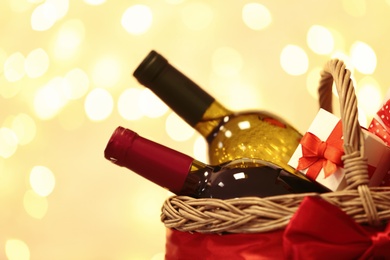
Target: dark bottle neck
pixel 179 92
pixel 197 179
pixel 164 166
pixel 211 120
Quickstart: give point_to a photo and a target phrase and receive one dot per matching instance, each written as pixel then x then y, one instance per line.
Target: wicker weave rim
pixel 253 215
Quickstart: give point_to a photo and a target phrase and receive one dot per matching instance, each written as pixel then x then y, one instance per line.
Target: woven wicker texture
pixel 253 215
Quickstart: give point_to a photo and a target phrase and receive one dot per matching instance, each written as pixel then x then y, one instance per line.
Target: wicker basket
pixel 366 205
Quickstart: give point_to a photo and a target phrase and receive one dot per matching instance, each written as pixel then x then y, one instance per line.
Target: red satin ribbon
pixel 317 155
pixel 319 230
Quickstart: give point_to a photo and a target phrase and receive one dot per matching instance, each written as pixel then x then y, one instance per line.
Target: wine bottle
pixel 230 135
pixel 183 175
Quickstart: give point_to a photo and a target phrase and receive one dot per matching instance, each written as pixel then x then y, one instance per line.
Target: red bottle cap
pixel 162 165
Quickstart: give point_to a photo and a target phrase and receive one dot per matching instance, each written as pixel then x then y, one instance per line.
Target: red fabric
pixel 261 246
pixel 317 155
pixel 318 230
pixel 386 180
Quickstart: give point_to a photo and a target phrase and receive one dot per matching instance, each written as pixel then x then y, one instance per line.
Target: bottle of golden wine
pixel 230 135
pixel 183 175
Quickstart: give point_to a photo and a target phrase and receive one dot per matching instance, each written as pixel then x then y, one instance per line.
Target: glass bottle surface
pixel 230 135
pixel 245 178
pixel 251 134
pixel 183 175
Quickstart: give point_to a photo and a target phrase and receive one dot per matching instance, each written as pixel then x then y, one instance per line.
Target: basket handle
pixel 355 163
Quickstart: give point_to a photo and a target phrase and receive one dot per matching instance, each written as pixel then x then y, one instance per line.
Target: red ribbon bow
pixel 382 130
pixel 319 230
pixel 317 154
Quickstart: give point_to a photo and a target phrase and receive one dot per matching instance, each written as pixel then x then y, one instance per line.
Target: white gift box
pixel 376 152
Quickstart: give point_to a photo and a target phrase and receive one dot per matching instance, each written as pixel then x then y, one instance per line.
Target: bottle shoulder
pixel 236 117
pixel 255 122
pixel 253 134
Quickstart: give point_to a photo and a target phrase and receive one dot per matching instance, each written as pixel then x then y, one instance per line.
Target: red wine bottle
pixel 230 135
pixel 183 175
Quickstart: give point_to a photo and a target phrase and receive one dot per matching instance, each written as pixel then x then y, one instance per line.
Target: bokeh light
pixel 197 16
pixel 363 118
pixel 177 129
pixel 137 19
pixel 44 16
pixel 98 104
pixel 245 97
pixel 19 6
pixel 106 72
pixel 174 2
pixel 35 1
pixel 72 117
pixel 256 16
pixel 8 142
pixel 9 90
pixel 320 39
pixel 339 40
pixel 50 99
pixel 16 249
pixel 200 149
pixel 36 63
pixel 369 87
pixel 69 37
pixel 61 7
pixel 14 67
pixel 146 205
pixel 356 8
pixel 42 180
pixel 1 165
pixel 3 57
pixel 35 205
pixel 363 57
pixel 312 81
pixel 94 2
pixel 128 104
pixel 226 62
pixel 24 128
pixel 294 60
pixel 158 256
pixel 75 84
pixel 151 105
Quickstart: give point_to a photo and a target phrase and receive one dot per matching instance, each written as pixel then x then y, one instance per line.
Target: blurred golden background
pixel 66 83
